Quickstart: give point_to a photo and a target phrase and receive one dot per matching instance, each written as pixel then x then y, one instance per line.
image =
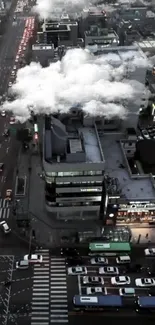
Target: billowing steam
pixel 97 83
pixel 55 8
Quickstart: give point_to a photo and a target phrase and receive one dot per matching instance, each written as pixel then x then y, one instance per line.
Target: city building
pixel 63 32
pixel 42 53
pixel 129 179
pixel 92 16
pixel 73 163
pixel 100 36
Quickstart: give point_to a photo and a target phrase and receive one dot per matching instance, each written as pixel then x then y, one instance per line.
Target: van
pixel 123 259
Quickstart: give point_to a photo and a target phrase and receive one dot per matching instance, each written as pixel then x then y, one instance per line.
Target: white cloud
pixel 96 83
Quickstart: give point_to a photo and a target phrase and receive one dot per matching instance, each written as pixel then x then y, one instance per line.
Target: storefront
pixel 136 212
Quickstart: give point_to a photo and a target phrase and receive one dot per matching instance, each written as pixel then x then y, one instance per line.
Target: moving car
pixel 3 113
pixel 120 280
pixel 149 251
pixel 145 282
pixel 123 259
pixel 99 260
pixel 12 120
pixel 1 167
pixel 93 280
pixel 108 270
pixel 5 227
pixel 129 292
pixel 96 290
pixel 74 261
pixel 69 251
pixel 8 195
pixel 33 258
pixel 77 270
pixel 22 265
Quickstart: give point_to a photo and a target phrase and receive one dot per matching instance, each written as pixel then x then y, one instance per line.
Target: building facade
pixel 74 169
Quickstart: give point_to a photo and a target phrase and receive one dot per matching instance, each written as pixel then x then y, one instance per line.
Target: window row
pixel 70 174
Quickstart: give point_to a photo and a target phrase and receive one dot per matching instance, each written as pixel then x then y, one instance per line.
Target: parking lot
pixel 76 285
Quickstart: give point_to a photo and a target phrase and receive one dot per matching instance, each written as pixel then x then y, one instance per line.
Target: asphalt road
pixel 44 293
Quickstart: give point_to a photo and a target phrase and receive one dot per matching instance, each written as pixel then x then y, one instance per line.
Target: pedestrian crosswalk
pixel 58 291
pixel 49 293
pixel 4 209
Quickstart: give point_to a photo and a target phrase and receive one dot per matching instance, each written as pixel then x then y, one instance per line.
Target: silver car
pixel 99 260
pixel 77 270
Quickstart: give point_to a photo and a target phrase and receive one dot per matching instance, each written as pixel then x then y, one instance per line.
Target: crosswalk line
pixel 58 287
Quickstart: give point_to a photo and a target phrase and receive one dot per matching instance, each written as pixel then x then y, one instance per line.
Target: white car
pixel 108 270
pixel 145 134
pixel 12 120
pixel 5 227
pixel 33 258
pixel 149 251
pixel 145 282
pixel 10 84
pixel 77 270
pixel 3 113
pixel 96 290
pixel 99 260
pixel 129 292
pixel 23 265
pixel 93 280
pixel 120 280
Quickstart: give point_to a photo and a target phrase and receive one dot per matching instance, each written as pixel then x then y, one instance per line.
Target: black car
pixel 6 133
pixel 69 251
pixel 74 261
pixel 133 268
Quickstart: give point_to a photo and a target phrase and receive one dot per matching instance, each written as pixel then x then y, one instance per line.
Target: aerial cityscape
pixel 77 162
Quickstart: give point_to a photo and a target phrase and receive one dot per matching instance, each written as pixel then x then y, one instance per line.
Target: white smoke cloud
pixel 97 83
pixel 53 9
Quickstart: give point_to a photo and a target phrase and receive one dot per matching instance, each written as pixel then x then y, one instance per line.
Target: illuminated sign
pixel 137 207
pixel 35 128
pixel 91 189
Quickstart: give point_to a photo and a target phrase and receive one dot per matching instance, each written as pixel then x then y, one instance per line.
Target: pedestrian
pixel 147 235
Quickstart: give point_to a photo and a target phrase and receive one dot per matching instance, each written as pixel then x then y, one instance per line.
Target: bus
pixel 112 302
pixel 146 304
pixel 110 249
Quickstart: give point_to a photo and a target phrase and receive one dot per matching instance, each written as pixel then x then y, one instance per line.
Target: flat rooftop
pixel 140 189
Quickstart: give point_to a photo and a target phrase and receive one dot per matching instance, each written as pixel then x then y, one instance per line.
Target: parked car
pixel 6 229
pixel 99 260
pixel 120 280
pixel 129 292
pixel 145 282
pixel 3 113
pixel 123 259
pixel 96 290
pixel 108 270
pixel 149 251
pixel 33 258
pixel 77 270
pixel 92 280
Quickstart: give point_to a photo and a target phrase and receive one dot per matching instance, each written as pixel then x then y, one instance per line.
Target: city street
pixel 43 294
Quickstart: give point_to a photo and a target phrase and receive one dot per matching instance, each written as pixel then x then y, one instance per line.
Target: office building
pixel 73 164
pixel 63 32
pixel 100 36
pixel 129 179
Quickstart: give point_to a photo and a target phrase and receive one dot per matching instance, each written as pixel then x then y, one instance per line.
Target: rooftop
pixel 132 188
pixel 69 141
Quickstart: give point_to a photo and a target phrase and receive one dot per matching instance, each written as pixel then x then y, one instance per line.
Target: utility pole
pixel 30 242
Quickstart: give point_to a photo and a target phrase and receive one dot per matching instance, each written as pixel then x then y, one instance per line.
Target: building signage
pixel 137 207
